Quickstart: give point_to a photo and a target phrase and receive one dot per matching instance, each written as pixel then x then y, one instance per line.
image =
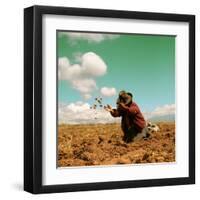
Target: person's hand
pixel 108 108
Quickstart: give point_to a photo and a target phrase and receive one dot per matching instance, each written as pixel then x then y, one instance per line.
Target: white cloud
pixel 161 111
pixel 108 92
pixel 85 86
pixel 78 107
pixel 165 110
pixel 93 64
pixel 67 71
pixel 80 113
pixel 87 96
pixel 82 76
pixel 90 37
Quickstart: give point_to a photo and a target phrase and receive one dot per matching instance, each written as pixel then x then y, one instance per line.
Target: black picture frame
pixel 33 98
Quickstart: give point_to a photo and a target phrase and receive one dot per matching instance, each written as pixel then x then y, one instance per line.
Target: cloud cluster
pixel 78 107
pixel 166 109
pixel 108 92
pixel 82 76
pixel 89 37
pixel 161 111
pixel 86 96
pixel 80 113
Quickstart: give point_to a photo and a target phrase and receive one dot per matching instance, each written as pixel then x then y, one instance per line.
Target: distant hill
pixel 165 118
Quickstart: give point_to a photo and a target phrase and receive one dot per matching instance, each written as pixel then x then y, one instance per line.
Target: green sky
pixel 141 64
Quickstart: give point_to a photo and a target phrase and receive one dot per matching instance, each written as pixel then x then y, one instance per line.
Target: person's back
pixel 133 117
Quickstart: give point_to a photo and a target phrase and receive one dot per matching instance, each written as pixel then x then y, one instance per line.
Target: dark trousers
pixel 130 134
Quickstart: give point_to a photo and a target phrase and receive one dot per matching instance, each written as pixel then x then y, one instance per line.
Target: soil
pixel 102 144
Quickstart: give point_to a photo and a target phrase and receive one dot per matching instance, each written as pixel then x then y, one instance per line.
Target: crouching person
pixel 133 123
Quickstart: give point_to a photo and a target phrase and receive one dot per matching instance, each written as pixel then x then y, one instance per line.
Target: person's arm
pixel 113 112
pixel 129 110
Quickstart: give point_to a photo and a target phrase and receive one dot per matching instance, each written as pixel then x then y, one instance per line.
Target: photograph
pixel 109 99
pixel 116 99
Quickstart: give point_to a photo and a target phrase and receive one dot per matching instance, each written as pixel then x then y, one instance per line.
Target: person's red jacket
pixel 131 117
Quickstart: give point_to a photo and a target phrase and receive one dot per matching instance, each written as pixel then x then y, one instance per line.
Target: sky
pixel 99 64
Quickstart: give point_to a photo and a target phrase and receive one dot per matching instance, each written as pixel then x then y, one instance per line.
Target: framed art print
pixel 109 99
